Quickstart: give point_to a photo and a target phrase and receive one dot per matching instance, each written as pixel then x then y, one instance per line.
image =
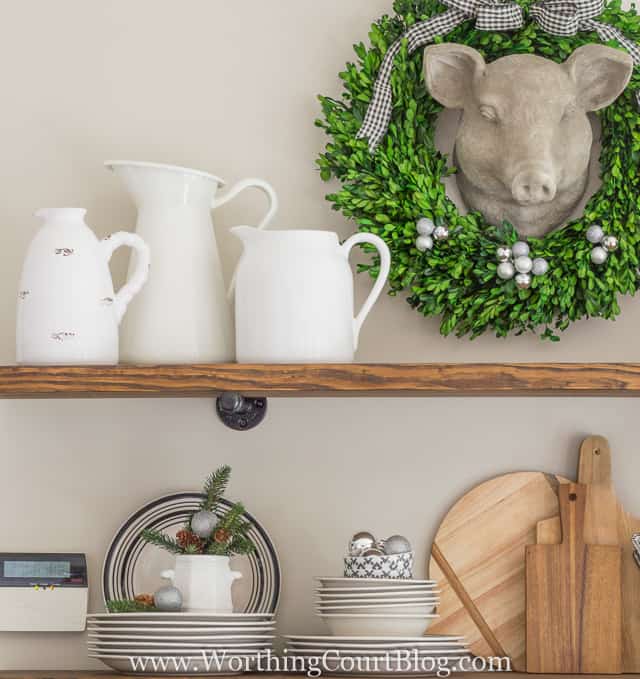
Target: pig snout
pixel 534 186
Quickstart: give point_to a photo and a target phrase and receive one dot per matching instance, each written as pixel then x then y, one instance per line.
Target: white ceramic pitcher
pixel 68 313
pixel 183 315
pixel 295 296
pixel 204 582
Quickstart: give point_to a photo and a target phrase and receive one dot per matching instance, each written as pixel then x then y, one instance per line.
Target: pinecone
pixel 221 535
pixel 144 599
pixel 190 541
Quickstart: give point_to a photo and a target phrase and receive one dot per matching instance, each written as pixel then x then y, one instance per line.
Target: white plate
pixel 178 631
pixel 245 638
pixel 377 596
pixel 377 591
pixel 373 640
pixel 384 603
pixel 373 582
pixel 181 623
pixel 193 666
pixel 181 643
pixel 342 624
pixel 366 616
pixel 223 617
pixel 308 645
pixel 177 651
pixel 363 652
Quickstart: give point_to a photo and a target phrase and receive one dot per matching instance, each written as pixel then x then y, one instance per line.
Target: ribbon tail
pixel 378 117
pixel 606 32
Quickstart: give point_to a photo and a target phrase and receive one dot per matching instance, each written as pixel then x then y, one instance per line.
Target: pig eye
pixel 489 113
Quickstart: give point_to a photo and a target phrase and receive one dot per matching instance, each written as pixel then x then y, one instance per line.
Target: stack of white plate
pixel 180 643
pixel 419 656
pixel 377 607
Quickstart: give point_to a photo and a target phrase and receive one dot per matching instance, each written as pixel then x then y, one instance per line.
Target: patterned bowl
pixel 393 566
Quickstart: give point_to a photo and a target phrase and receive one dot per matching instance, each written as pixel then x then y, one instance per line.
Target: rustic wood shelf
pixel 438 379
pixel 57 674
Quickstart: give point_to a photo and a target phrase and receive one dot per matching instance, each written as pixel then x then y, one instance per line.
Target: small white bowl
pixel 375 625
pixel 331 583
pixel 393 566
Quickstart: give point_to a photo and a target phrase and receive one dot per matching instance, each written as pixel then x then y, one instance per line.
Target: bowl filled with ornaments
pixel 377 595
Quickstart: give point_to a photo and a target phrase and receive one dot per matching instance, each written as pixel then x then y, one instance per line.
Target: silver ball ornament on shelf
pixel 425 226
pixel 599 255
pixel 520 249
pixel 595 234
pixel 441 233
pixel 523 264
pixel 540 266
pixel 373 551
pixel 397 544
pixel 504 254
pixel 523 281
pixel 168 598
pixel 424 243
pixel 506 271
pixel 610 243
pixel 360 543
pixel 203 523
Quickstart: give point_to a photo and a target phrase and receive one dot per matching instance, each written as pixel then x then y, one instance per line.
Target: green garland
pixel 387 192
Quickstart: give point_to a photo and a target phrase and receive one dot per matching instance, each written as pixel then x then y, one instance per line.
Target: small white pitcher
pixel 204 582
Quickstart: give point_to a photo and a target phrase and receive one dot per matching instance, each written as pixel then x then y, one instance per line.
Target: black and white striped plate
pixel 133 567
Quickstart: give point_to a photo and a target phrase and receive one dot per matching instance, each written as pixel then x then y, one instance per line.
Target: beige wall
pixel 230 86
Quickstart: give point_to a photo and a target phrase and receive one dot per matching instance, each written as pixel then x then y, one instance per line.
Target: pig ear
pixel 600 73
pixel 450 70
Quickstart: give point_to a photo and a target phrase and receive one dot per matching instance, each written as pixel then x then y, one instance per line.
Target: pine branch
pixel 241 544
pixel 161 540
pixel 214 487
pixel 126 606
pixel 232 521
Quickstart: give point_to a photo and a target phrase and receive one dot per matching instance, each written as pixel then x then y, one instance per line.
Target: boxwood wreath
pixel 389 191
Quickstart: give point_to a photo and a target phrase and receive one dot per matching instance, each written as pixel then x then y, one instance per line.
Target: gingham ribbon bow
pixel 558 17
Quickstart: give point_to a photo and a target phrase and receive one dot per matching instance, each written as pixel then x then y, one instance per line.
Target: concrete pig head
pixel 524 142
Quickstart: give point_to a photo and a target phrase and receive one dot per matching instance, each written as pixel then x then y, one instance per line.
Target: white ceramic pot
pixel 294 296
pixel 68 313
pixel 204 582
pixel 183 315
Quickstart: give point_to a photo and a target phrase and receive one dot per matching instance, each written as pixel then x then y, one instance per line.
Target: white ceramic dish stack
pixel 377 626
pixel 179 643
pixel 376 607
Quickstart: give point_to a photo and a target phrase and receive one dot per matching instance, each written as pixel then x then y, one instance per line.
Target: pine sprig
pixel 214 487
pixel 162 540
pixel 129 606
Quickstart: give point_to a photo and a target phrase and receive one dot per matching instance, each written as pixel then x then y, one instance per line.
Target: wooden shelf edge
pixel 61 674
pixel 382 380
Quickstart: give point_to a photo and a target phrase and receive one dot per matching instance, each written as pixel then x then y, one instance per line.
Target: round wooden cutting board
pixel 477 558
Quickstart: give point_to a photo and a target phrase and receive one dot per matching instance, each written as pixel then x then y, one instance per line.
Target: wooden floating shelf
pixel 382 380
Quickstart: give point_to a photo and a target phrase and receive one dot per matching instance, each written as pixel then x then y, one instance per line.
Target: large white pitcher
pixel 183 314
pixel 295 297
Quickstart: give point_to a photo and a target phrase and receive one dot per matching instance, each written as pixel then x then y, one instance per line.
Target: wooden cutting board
pixel 574 602
pixel 477 558
pixel 607 523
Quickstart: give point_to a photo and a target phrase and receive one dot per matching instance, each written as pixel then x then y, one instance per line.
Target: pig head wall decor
pixel 524 143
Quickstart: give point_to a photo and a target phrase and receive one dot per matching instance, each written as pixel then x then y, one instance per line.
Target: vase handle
pixel 385 268
pixel 231 193
pixel 133 286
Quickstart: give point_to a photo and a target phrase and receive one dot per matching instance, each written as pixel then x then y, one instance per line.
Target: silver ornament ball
pixel 540 266
pixel 424 243
pixel 520 249
pixel 373 551
pixel 610 243
pixel 397 544
pixel 360 542
pixel 504 254
pixel 599 255
pixel 441 233
pixel 203 523
pixel 523 264
pixel 168 599
pixel 425 226
pixel 523 281
pixel 595 234
pixel 506 271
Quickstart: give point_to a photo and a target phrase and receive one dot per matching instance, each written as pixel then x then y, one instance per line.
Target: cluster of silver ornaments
pixel 604 244
pixel 168 599
pixel 429 234
pixel 365 544
pixel 515 262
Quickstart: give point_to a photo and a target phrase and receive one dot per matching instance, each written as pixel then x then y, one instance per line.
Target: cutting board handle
pixel 595 461
pixel 573 501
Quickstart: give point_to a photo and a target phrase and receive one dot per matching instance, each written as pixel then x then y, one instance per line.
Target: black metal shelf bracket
pixel 240 413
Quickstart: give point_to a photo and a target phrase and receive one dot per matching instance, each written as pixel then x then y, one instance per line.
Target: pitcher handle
pixel 231 193
pixel 385 268
pixel 136 282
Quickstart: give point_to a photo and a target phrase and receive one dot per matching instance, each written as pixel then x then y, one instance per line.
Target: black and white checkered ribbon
pixel 559 17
